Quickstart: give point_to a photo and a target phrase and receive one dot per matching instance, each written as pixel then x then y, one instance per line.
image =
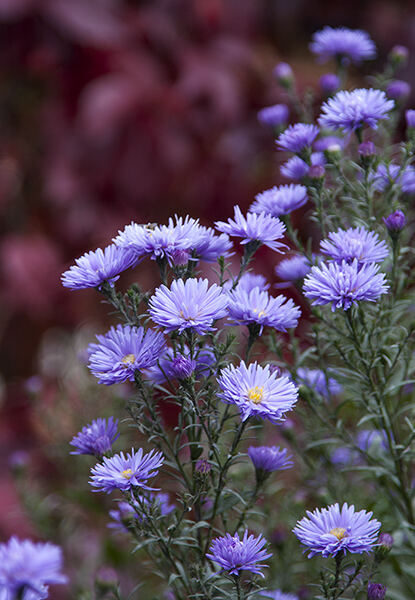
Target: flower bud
pixel 273 116
pixel 182 367
pixel 385 543
pixel 180 257
pixel 399 55
pixel 316 172
pixel 284 74
pixel 367 149
pixel 376 591
pixel 410 118
pixel 329 83
pixel 395 222
pixel 202 466
pixel 398 89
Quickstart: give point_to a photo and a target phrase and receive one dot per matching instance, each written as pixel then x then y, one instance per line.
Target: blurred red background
pixel 117 110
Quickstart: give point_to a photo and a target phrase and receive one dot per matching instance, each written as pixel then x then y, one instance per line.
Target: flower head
pixel 124 471
pixel 410 118
pixel 296 168
pixel 398 89
pixel 317 380
pixel 274 115
pixel 27 568
pixel 178 365
pixel 208 246
pixel 280 200
pixel 283 74
pixel 293 268
pixel 257 391
pixel 351 110
pixel 259 307
pixel 122 351
pixel 270 458
pixel 278 595
pixel 95 268
pixel 297 137
pixel 233 554
pixel 353 45
pixel 189 304
pixel 329 83
pixel 355 243
pixel 342 285
pixel 392 174
pixel 262 228
pixel 395 222
pixel 249 281
pixel 332 530
pixel 376 591
pixel 96 438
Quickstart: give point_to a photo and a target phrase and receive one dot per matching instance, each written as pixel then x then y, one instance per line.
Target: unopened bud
pixel 376 591
pixel 329 83
pixel 399 55
pixel 367 149
pixel 284 74
pixel 395 222
pixel 398 89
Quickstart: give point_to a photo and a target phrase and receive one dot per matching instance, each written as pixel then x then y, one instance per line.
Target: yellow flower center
pixel 127 474
pixel 338 532
pixel 256 394
pixel 129 359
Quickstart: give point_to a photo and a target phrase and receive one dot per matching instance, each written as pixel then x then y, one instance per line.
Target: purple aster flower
pixel 126 513
pixel 329 83
pixel 96 438
pixel 316 380
pixel 95 268
pixel 274 115
pixel 410 118
pixel 294 268
pixel 342 285
pixel 283 74
pixel 122 351
pixel 392 174
pixel 386 540
pixel 124 471
pixel 329 143
pixel 395 222
pixel 233 554
pixel 296 168
pixel 270 458
pixel 262 229
pixel 398 89
pixel 258 307
pixel 376 591
pixel 178 364
pixel 257 391
pixel 278 595
pixel 366 438
pixel 280 200
pixel 358 243
pixel 249 281
pixel 189 304
pixel 353 45
pixel 27 568
pixel 298 137
pixel 351 110
pixel 367 149
pixel 208 246
pixel 332 530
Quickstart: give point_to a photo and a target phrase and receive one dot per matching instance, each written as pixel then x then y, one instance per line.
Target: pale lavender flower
pixel 283 74
pixel 274 116
pixel 398 89
pixel 280 200
pixel 355 243
pixel 329 83
pixel 189 304
pixel 296 168
pixel 95 268
pixel 124 471
pixel 342 285
pixel 207 246
pixel 352 110
pixel 259 307
pixel 249 281
pixel 27 568
pixel 366 438
pixel 293 268
pixel 329 143
pixel 353 45
pixel 122 351
pixel 298 137
pixel 96 438
pixel 335 530
pixel 257 391
pixel 233 554
pixel 262 229
pixel 390 174
pixel 270 458
pixel 317 380
pixel 278 595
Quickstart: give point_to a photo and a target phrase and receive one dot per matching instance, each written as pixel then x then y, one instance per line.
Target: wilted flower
pixel 27 568
pixel 317 380
pixel 354 243
pixel 274 115
pixel 122 351
pixel 259 307
pixel 297 137
pixel 257 391
pixel 293 268
pixel 189 304
pixel 262 229
pixel 343 43
pixel 95 268
pixel 342 285
pixel 280 200
pixel 332 530
pixel 270 458
pixel 124 471
pixel 351 110
pixel 96 438
pixel 233 554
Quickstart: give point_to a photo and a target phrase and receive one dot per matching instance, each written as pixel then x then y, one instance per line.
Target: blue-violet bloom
pixel 353 45
pixel 298 137
pixel 270 458
pixel 233 554
pixel 275 115
pixel 355 243
pixel 316 380
pixel 280 200
pixel 293 268
pixel 352 110
pixel 96 438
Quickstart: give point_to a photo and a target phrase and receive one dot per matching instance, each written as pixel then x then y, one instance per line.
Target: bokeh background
pixel 112 111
